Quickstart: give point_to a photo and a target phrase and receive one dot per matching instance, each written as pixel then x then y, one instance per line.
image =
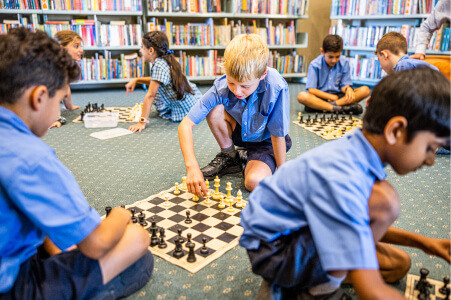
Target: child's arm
pixel 370 285
pixel 349 95
pixel 437 247
pixel 280 149
pixel 147 105
pixel 323 95
pixel 130 86
pixel 194 177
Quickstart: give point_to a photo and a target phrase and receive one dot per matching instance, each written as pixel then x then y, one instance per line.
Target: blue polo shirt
pixel 39 197
pixel 329 80
pixel 406 63
pixel 327 189
pixel 264 113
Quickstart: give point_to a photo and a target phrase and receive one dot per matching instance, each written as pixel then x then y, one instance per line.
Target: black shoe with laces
pixel 221 165
pixel 355 108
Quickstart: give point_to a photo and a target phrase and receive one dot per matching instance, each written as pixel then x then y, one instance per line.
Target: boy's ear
pixel 395 129
pixel 321 50
pixel 385 53
pixel 37 96
pixel 264 74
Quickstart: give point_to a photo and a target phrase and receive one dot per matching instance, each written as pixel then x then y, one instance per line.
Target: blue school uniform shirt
pixel 39 197
pixel 165 100
pixel 264 113
pixel 327 189
pixel 329 80
pixel 406 63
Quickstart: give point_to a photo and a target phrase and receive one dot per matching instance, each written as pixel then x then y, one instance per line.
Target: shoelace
pixel 219 159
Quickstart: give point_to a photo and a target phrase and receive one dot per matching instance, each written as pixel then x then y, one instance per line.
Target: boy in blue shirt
pixel 248 107
pixel 323 215
pixel 42 208
pixel 329 84
pixel 391 52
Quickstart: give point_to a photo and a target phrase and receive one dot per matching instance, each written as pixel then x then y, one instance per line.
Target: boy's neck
pixel 378 143
pixel 394 58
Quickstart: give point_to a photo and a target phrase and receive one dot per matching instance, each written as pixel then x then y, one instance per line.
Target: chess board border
pixel 200 263
pixel 126 109
pixel 410 288
pixel 320 133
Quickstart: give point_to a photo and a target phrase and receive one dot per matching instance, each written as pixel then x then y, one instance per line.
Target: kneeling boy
pixel 40 201
pixel 329 82
pixel 247 107
pixel 320 215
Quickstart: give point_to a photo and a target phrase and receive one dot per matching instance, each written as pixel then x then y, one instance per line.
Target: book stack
pixel 381 7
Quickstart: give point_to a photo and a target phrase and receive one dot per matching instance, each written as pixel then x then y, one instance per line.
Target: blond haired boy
pixel 247 107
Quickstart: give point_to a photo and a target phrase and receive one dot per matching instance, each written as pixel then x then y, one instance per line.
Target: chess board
pixel 124 113
pixel 412 294
pixel 219 226
pixel 319 128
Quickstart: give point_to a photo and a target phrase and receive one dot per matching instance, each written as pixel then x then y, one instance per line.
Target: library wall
pixel 317 26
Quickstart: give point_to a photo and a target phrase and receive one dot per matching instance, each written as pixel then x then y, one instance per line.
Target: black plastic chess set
pixel 329 126
pixel 422 288
pixel 190 234
pixel 124 112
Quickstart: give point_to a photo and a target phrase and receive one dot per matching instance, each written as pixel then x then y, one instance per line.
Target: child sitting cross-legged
pixel 328 213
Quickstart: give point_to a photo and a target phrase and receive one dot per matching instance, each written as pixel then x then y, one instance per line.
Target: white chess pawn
pixel 208 201
pixel 184 187
pixel 230 208
pixel 195 198
pixel 217 195
pixel 239 199
pixel 229 198
pixel 207 183
pixel 166 203
pixel 221 204
pixel 176 191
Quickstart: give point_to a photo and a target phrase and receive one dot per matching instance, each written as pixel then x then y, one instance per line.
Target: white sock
pixel 328 287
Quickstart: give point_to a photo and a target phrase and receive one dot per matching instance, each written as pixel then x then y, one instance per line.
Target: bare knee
pixel 141 238
pixel 251 182
pixel 384 204
pixel 302 96
pixel 365 91
pixel 216 113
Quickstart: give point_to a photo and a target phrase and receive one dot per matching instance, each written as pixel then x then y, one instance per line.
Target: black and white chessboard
pixel 338 127
pixel 219 226
pixel 124 114
pixel 412 294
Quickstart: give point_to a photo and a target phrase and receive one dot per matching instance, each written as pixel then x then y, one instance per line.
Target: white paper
pixel 110 133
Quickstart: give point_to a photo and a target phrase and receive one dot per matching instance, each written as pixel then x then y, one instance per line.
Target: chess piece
pixel 445 290
pixel 207 183
pixel 180 237
pixel 176 191
pixel 162 243
pixel 217 195
pixel 134 219
pixel 316 118
pixel 423 285
pixel 195 198
pixel 308 120
pixel 301 120
pixel 184 187
pixel 204 249
pixel 208 201
pixel 178 251
pixel 188 219
pixel 350 115
pixel 230 209
pixel 154 240
pixel 82 114
pixel 188 242
pixel 107 210
pixel 166 202
pixel 123 206
pixel 191 256
pixel 299 116
pixel 239 200
pixel 229 198
pixel 221 204
pixel 141 219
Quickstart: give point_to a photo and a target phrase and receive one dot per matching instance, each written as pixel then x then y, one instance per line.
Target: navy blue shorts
pixel 262 151
pixel 291 261
pixel 72 275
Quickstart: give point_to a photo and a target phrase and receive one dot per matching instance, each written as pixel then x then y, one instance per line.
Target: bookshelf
pixel 199 30
pixel 361 23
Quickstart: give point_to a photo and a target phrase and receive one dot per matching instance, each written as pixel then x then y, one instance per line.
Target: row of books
pixel 440 39
pixel 287 64
pixel 295 7
pixel 101 67
pixel 365 67
pixel 208 34
pixel 93 5
pixel 381 7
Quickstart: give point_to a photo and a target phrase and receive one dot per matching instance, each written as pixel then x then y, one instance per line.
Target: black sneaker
pixel 221 165
pixel 242 153
pixel 311 110
pixel 355 108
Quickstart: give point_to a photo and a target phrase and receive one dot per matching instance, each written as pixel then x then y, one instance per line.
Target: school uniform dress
pixel 264 113
pixel 166 101
pixel 312 216
pixel 329 80
pixel 406 63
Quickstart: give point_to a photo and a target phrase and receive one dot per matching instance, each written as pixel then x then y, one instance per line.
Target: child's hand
pixel 137 127
pixel 333 98
pixel 438 247
pixel 417 56
pixel 196 183
pixel 56 124
pixel 350 96
pixel 130 86
pixel 74 107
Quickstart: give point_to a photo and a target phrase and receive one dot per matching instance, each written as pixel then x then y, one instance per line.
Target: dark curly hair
pixel 31 59
pixel 421 95
pixel 332 43
pixel 159 42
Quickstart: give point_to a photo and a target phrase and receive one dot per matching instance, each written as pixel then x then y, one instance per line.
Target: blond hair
pixel 246 57
pixel 65 37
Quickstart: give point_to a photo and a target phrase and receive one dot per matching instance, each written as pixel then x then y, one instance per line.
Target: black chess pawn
pixel 350 115
pixel 162 243
pixel 178 251
pixel 423 285
pixel 108 210
pixel 188 242
pixel 445 290
pixel 123 205
pixel 204 249
pixel 141 219
pixel 316 117
pixel 180 237
pixel 134 219
pixel 301 119
pixel 308 120
pixel 188 219
pixel 102 107
pixel 82 114
pixel 154 240
pixel 191 256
